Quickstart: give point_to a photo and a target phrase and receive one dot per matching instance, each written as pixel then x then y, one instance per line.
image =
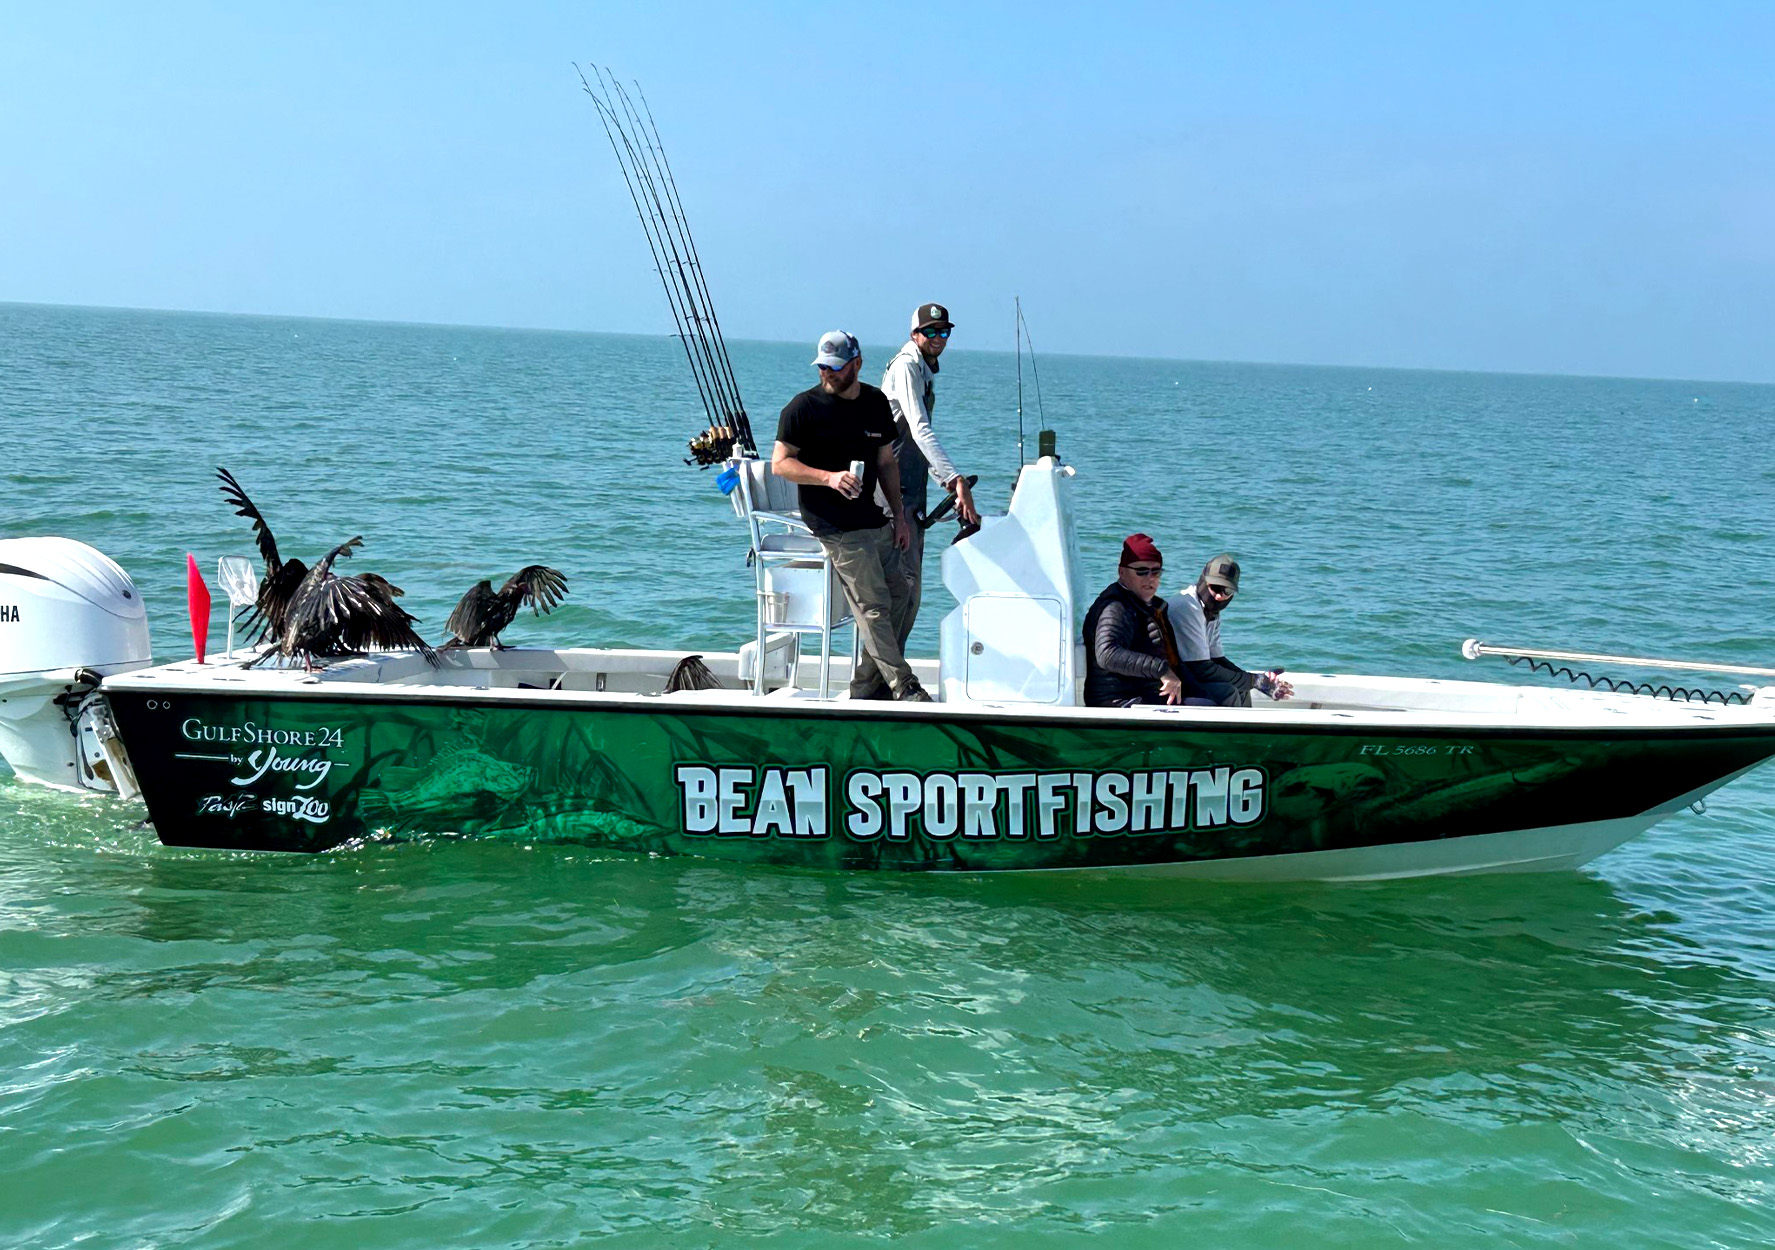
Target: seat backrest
pixel 767 492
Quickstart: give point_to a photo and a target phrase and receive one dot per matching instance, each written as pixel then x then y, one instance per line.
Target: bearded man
pixel 823 435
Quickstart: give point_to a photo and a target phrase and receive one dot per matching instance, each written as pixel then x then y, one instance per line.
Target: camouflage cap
pixel 1222 571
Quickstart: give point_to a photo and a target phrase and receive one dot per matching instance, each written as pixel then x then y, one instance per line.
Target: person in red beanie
pixel 1129 650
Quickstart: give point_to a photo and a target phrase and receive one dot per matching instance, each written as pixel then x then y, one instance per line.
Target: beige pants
pixel 868 567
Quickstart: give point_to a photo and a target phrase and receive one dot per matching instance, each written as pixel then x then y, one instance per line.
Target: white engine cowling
pixel 68 616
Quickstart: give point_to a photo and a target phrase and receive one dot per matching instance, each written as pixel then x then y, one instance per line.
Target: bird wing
pixel 325 567
pixel 237 498
pixel 369 618
pixel 691 673
pixel 537 587
pixel 468 623
pixel 270 613
pixel 309 623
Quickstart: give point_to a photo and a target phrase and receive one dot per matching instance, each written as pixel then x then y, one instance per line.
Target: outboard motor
pixel 69 617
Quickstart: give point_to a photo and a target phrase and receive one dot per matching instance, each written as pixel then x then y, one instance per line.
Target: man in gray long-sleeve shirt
pixel 910 386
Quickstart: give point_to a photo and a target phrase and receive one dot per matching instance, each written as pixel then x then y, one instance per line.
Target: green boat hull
pixel 877 790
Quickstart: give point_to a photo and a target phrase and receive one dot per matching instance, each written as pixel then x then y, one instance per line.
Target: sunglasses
pixel 932 332
pixel 1146 570
pixel 1219 592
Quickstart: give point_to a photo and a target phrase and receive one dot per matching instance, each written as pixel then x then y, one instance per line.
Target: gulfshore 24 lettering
pixel 260 752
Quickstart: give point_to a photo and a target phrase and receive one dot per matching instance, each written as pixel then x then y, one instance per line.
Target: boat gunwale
pixel 1268 722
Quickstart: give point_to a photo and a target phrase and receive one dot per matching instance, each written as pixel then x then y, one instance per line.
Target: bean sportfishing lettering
pixel 739 801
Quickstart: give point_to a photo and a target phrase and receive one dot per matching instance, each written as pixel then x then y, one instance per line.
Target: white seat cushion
pixel 789 544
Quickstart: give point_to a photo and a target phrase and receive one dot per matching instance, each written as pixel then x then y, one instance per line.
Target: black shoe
pixel 882 693
pixel 912 692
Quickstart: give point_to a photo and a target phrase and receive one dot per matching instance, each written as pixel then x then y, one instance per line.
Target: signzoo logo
pixel 315 811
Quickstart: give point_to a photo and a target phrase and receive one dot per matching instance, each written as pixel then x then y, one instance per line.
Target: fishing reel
pixel 712 446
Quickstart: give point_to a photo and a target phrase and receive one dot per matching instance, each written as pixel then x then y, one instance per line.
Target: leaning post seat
pixel 1013 638
pixel 796 590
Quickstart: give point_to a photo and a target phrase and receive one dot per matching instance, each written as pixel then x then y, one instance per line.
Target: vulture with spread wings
pixel 484 612
pixel 268 617
pixel 332 616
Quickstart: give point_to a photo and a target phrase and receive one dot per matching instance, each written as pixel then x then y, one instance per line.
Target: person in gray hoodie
pixel 910 386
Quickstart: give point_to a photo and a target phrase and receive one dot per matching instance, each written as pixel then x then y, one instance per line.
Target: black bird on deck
pixel 484 612
pixel 268 616
pixel 332 616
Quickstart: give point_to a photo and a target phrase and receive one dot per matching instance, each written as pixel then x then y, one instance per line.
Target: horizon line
pixel 984 351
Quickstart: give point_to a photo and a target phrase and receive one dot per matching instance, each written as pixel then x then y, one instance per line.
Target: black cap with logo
pixel 934 315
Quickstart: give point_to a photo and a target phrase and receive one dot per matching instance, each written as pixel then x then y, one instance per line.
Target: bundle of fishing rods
pixel 635 140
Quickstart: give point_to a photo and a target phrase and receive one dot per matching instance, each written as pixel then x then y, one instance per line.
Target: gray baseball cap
pixel 837 349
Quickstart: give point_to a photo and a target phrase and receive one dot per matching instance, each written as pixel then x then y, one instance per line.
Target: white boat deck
pixel 595 676
pixel 1010 653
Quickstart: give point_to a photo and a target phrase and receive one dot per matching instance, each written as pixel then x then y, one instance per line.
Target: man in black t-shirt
pixel 822 432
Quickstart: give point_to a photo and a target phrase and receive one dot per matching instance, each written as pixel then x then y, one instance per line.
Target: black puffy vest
pixel 1104 688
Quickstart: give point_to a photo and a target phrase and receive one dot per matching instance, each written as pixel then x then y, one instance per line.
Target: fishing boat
pixel 1355 777
pixel 759 761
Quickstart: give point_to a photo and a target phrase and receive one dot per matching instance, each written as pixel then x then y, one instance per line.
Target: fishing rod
pixel 651 180
pixel 667 246
pixel 1017 333
pixel 612 126
pixel 716 442
pixel 653 191
pixel 696 260
pixel 1022 335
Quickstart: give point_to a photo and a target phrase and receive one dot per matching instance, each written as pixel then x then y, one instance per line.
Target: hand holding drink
pixel 850 484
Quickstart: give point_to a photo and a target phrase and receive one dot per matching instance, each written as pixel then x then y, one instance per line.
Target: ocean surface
pixel 450 1043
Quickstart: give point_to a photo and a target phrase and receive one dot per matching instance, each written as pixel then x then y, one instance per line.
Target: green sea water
pixel 450 1042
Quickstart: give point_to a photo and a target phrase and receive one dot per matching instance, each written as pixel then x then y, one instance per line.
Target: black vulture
pixel 332 616
pixel 484 612
pixel 268 616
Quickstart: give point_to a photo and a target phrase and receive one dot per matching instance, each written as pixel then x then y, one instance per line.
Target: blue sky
pixel 1574 189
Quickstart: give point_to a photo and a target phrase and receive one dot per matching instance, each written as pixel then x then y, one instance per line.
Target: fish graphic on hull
pixel 461 785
